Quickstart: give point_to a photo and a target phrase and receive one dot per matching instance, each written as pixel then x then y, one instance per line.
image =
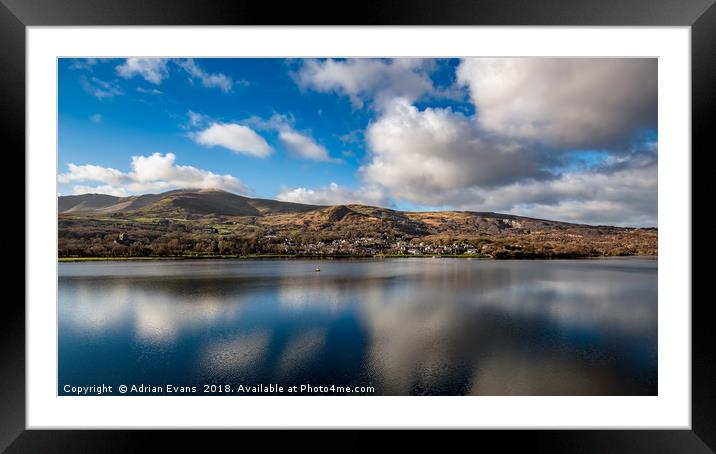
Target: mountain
pixel 188 201
pixel 84 202
pixel 216 222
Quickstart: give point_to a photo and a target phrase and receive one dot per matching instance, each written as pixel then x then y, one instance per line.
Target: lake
pixel 394 326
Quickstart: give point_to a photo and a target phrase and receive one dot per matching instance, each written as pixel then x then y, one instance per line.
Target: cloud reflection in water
pixel 405 326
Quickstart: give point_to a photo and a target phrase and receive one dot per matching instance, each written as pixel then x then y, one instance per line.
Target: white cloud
pixel 153 70
pixel 334 195
pixel 151 173
pixel 300 144
pixel 507 157
pixel 564 102
pixel 440 157
pixel 627 196
pixel 364 79
pixel 90 172
pixel 426 156
pixel 96 118
pixel 101 189
pixel 303 146
pixel 99 88
pixel 208 80
pixel 235 137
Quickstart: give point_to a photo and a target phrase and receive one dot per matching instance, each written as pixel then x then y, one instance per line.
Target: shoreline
pixel 333 257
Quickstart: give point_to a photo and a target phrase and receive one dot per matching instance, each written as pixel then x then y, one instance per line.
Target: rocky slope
pixel 214 222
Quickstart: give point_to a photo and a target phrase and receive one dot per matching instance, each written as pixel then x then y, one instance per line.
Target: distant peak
pixel 199 190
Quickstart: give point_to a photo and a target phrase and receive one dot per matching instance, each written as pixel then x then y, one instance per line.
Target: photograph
pixel 357 226
pixel 473 217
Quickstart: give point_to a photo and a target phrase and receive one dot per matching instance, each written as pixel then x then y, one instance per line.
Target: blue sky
pixel 572 139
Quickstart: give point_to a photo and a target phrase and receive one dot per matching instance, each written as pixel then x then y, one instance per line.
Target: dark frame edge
pixel 394 12
pixel 703 108
pixel 12 324
pixel 14 437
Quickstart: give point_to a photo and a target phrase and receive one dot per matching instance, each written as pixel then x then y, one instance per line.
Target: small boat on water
pixel 317 270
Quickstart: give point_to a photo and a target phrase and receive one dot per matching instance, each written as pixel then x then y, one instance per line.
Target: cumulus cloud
pixel 627 196
pixel 90 172
pixel 299 144
pixel 208 80
pixel 440 157
pixel 303 146
pixel 517 153
pixel 233 136
pixel 151 173
pixel 426 156
pixel 153 70
pixel 242 139
pixel 563 102
pixel 334 194
pixel 364 79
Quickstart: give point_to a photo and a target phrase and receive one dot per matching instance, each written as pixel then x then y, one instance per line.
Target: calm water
pixel 403 326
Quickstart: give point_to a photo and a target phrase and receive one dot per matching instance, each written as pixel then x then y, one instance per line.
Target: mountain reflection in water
pixel 404 326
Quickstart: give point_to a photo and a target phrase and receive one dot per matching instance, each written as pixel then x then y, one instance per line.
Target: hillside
pixel 215 222
pixel 178 202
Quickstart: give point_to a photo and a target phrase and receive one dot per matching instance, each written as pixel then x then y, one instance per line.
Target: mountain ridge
pixel 211 201
pixel 210 221
pixel 129 203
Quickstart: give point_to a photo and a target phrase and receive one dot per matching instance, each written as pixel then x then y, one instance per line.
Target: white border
pixel 670 409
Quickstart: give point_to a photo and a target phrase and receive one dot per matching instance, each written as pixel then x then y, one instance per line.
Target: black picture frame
pixel 16 15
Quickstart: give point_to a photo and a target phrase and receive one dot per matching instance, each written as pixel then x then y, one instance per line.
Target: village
pixel 366 246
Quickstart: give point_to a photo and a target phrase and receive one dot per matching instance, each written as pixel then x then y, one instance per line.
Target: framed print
pixel 449 217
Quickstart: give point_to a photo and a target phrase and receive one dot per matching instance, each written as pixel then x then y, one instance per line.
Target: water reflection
pixel 404 326
pixel 235 356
